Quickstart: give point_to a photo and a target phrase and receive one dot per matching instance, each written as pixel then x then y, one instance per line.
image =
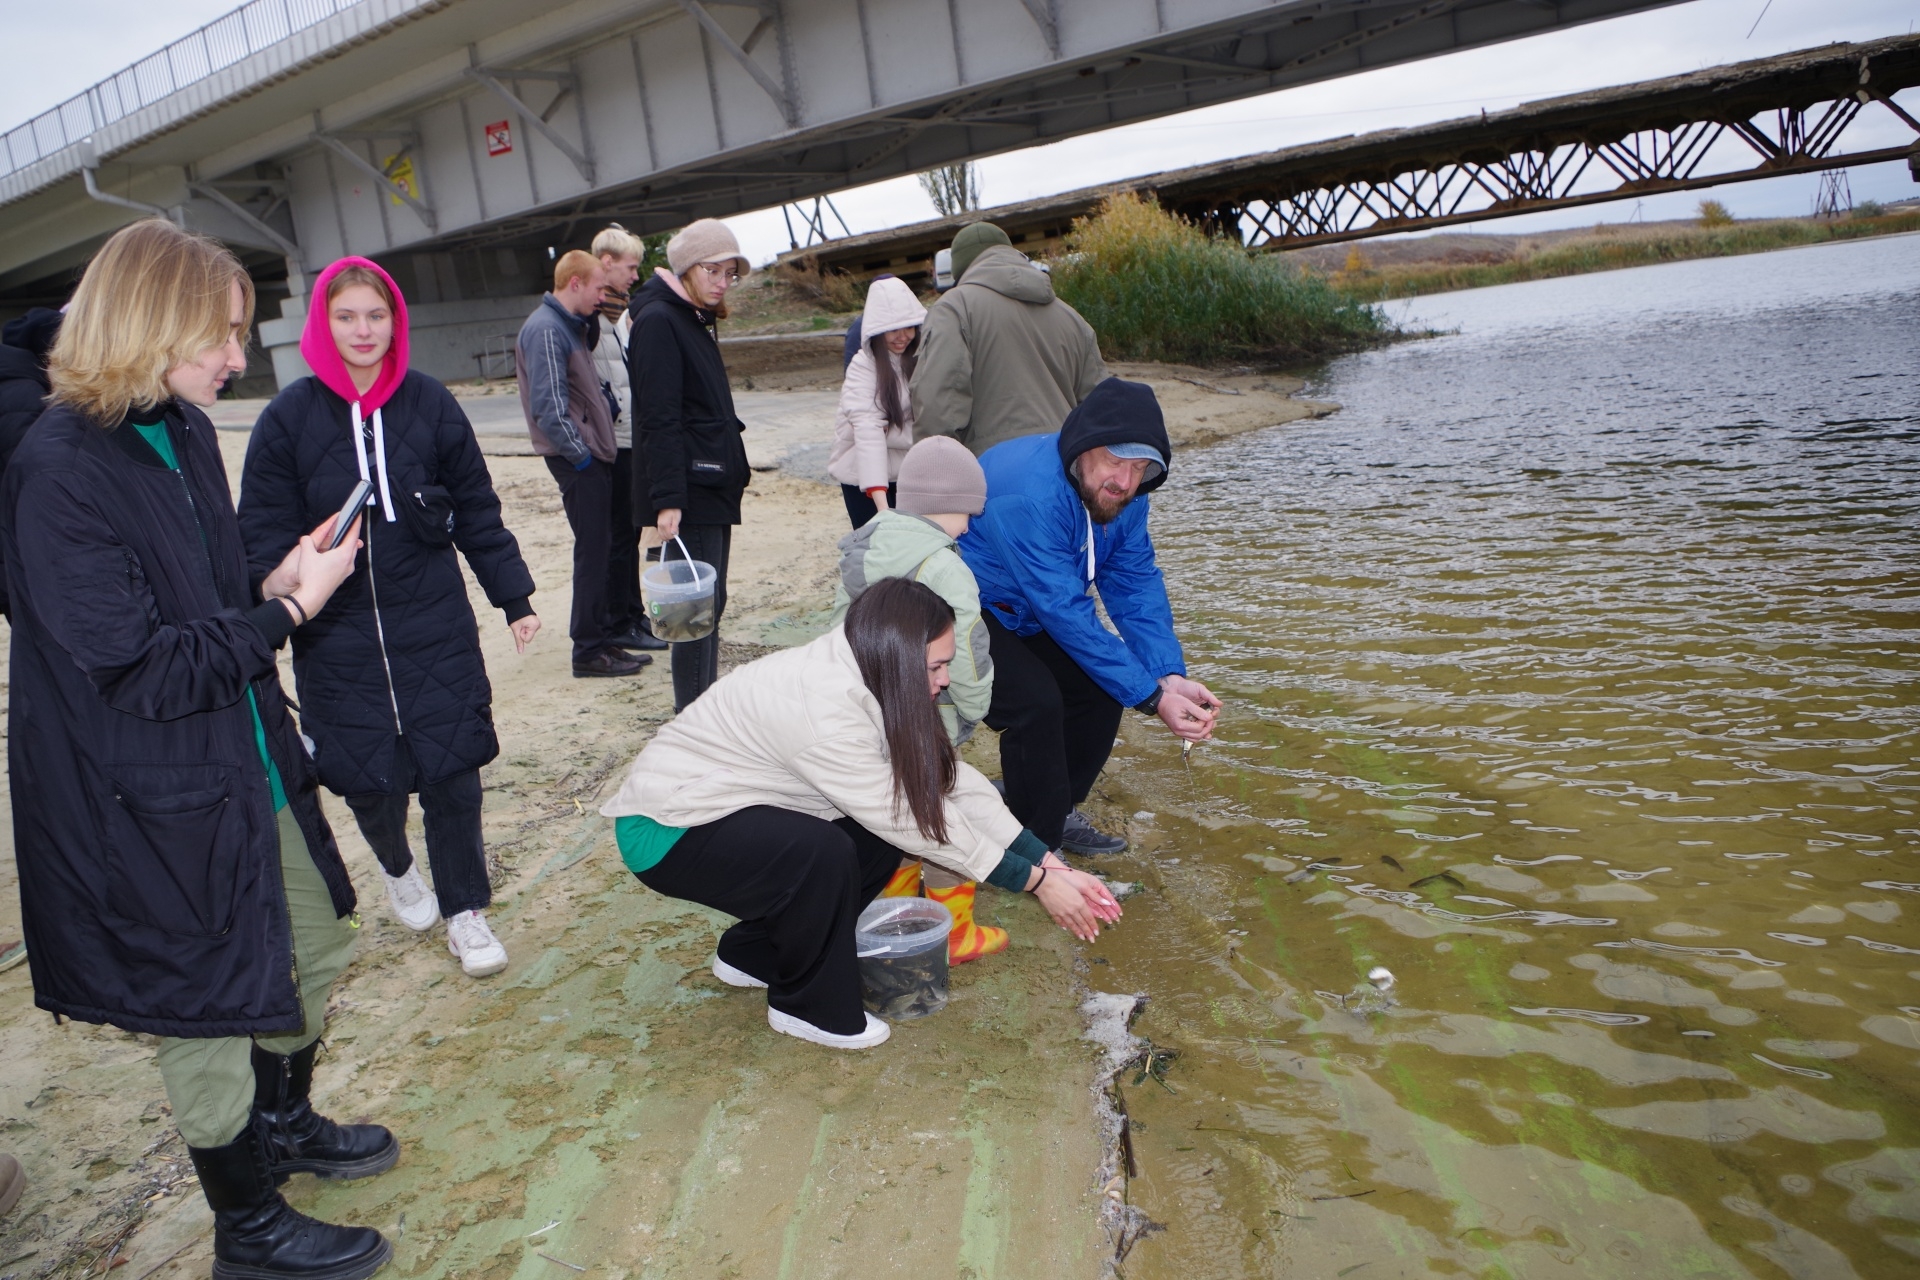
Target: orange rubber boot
pixel 968 941
pixel 905 882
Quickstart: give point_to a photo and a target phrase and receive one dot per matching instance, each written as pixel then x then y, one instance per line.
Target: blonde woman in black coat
pixel 176 874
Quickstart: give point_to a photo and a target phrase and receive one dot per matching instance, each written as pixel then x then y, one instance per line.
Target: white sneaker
pixel 785 1023
pixel 473 943
pixel 413 903
pixel 733 977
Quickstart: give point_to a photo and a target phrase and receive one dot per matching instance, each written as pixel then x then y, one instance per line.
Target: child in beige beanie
pixel 941 487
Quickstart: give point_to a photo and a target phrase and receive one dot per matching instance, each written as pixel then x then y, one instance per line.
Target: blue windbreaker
pixel 1029 550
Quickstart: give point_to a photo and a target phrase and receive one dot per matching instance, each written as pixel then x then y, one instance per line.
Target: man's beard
pixel 1101 506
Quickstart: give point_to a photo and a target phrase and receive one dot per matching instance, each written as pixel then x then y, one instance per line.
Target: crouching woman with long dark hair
pixel 787 794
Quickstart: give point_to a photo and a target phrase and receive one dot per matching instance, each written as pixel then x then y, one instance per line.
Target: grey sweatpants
pixel 210 1081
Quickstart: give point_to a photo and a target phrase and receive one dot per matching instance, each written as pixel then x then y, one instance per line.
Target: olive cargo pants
pixel 210 1081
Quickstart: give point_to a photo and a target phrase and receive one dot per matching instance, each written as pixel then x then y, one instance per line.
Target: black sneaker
pixel 609 662
pixel 1082 837
pixel 638 637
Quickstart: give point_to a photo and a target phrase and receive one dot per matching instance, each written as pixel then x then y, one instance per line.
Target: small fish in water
pixel 1296 877
pixel 1389 860
pixel 1372 996
pixel 1366 999
pixel 1444 875
pixel 1186 752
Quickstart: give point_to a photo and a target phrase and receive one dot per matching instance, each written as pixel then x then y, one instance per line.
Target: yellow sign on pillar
pixel 399 171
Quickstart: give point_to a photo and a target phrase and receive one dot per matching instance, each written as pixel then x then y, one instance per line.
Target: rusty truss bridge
pixel 1795 113
pixel 1783 115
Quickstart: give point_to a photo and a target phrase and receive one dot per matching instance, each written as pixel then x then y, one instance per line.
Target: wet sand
pixel 605 1106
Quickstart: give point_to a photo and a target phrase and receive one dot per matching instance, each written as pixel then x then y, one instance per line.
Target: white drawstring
pixel 1089 516
pixel 380 456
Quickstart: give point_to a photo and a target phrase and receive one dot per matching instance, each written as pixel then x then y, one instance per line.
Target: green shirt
pixel 155 434
pixel 643 842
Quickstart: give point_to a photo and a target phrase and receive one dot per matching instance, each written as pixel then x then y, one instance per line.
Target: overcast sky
pixel 83 41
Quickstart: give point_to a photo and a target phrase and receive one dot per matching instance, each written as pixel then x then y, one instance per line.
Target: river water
pixel 1571 675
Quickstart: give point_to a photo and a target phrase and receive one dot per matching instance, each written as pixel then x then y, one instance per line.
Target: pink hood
pixel 323 357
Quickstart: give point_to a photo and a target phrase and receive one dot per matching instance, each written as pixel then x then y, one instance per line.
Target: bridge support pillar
pixel 281 338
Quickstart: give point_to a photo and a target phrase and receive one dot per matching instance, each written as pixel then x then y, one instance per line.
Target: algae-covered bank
pixel 605 1107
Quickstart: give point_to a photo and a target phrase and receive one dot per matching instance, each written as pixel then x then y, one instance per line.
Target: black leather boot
pixel 256 1236
pixel 300 1139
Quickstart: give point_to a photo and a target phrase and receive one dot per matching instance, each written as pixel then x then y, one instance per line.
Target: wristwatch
pixel 1150 705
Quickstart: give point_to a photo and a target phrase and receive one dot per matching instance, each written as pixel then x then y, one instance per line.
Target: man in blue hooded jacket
pixel 1066 516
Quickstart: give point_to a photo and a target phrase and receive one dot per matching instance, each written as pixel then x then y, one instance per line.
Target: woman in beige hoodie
pixel 786 795
pixel 874 428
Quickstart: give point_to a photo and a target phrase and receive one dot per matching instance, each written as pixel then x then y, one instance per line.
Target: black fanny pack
pixel 428 512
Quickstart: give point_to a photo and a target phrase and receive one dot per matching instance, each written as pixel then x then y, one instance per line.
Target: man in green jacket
pixel 940 487
pixel 1000 356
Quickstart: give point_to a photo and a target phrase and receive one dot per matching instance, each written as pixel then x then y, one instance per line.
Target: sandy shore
pixel 605 1106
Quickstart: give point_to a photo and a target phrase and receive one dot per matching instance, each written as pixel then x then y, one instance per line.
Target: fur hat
pixel 940 477
pixel 708 240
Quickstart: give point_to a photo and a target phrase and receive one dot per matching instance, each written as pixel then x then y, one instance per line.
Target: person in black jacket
pixel 177 876
pixel 23 375
pixel 690 465
pixel 392 687
pixel 23 386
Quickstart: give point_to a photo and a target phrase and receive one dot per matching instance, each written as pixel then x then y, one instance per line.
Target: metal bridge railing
pixel 252 27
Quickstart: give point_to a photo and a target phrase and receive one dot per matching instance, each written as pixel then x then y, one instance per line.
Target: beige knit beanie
pixel 708 240
pixel 940 477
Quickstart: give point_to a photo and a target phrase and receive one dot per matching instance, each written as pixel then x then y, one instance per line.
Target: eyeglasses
pixel 721 271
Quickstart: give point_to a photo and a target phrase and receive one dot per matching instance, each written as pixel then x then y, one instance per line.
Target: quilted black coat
pixel 143 824
pixel 396 650
pixel 687 450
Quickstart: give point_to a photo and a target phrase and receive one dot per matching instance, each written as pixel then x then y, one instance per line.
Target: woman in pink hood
pixel 393 691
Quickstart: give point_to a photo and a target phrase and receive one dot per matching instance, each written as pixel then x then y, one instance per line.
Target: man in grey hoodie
pixel 571 424
pixel 1000 356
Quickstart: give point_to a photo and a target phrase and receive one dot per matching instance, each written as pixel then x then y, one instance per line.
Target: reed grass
pixel 1156 287
pixel 1364 283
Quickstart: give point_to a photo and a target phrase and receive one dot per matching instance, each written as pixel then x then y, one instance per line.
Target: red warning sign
pixel 499 138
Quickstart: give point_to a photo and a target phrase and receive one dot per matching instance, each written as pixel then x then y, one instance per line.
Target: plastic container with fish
pixel 678 595
pixel 902 945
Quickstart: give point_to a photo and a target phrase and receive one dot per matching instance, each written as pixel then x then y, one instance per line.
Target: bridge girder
pixel 1783 115
pixel 1775 116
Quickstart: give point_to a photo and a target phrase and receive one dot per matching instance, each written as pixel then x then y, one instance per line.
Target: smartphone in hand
pixel 355 503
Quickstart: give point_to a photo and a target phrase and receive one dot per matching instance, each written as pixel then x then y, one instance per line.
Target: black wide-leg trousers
pixel 623 553
pixel 1056 728
pixel 797 884
pixel 587 497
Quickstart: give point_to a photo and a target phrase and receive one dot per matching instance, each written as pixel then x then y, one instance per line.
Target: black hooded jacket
pixel 687 450
pixel 23 376
pixel 397 649
pixel 143 820
pixel 23 386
